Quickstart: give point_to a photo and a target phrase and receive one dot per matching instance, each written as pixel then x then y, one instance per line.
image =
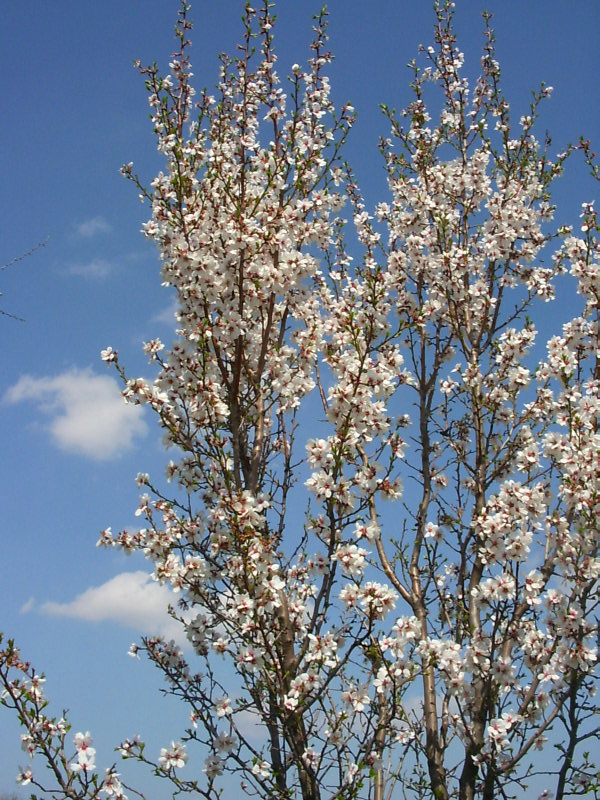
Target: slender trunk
pixel 294 729
pixel 479 711
pixel 275 749
pixel 468 776
pixel 379 744
pixel 378 785
pixel 433 749
pixel 570 749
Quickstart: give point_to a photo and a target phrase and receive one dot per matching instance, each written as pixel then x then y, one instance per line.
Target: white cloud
pixel 167 315
pixel 28 605
pixel 97 268
pixel 249 725
pixel 131 599
pixel 87 414
pixel 91 227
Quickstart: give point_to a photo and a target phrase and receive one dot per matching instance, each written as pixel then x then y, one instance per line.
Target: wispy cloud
pixel 131 599
pixel 92 227
pixel 97 269
pixel 167 315
pixel 249 725
pixel 28 605
pixel 88 415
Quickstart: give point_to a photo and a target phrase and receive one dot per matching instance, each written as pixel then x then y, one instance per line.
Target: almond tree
pixel 383 523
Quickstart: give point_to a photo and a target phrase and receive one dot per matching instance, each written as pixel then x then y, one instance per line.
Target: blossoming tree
pixel 383 528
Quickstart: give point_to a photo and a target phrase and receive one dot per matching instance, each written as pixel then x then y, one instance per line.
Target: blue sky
pixel 74 110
